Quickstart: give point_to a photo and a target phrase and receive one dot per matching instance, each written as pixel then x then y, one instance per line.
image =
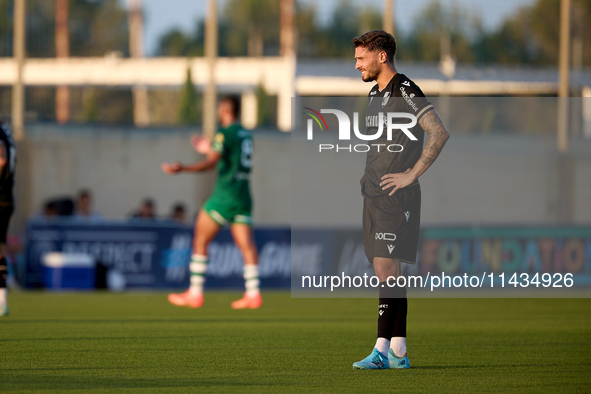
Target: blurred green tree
pixel 96 28
pixel 177 43
pixel 189 113
pixel 266 109
pixel 90 110
pixel 435 23
pixel 531 35
pixel 252 27
pixel 245 28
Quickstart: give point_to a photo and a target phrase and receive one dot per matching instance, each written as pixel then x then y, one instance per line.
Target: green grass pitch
pixel 137 342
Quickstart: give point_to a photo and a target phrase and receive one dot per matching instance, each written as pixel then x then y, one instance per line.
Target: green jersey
pixel 233 186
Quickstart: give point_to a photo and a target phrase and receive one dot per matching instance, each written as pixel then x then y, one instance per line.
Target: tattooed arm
pixel 437 137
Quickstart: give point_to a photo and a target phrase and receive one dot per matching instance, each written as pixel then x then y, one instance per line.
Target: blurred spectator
pixel 146 210
pixel 64 206
pixel 49 210
pixel 179 213
pixel 84 210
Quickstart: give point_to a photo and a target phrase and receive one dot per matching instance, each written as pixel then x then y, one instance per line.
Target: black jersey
pixel 7 174
pixel 400 95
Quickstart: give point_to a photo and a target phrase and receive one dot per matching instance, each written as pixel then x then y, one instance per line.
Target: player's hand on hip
pixel 172 168
pixel 397 181
pixel 201 144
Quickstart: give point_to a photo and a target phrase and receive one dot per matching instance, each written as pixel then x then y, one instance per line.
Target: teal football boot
pixel 375 360
pixel 398 362
pixel 4 310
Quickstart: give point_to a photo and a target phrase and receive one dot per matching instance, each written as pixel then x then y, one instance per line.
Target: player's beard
pixel 371 73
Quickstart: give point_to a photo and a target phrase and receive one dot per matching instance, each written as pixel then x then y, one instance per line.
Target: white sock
pixel 251 280
pixel 3 296
pixel 198 269
pixel 398 346
pixel 382 346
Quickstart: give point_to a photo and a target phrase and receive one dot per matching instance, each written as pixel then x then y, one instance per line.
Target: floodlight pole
pixel 565 163
pixel 23 187
pixel 141 114
pixel 563 76
pixel 388 19
pixel 288 53
pixel 211 53
pixel 287 33
pixel 62 50
pixel 18 89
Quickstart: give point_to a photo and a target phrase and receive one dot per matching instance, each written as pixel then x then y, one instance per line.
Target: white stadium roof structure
pixel 334 77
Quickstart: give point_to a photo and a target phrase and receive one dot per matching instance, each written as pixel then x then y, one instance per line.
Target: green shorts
pixel 224 213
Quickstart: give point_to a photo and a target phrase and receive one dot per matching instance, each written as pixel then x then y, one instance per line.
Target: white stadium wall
pixel 478 180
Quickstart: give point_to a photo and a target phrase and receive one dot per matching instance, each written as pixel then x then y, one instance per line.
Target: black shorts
pixel 391 225
pixel 5 213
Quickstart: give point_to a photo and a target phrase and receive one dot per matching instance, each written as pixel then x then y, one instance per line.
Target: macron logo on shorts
pixel 407 214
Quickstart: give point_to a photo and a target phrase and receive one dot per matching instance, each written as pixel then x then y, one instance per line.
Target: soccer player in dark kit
pixel 390 187
pixel 7 164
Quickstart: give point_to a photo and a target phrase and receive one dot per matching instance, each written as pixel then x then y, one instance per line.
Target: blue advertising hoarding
pixel 156 255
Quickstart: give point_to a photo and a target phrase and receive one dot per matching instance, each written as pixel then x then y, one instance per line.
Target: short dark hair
pixel 234 102
pixel 179 207
pixel 84 193
pixel 377 40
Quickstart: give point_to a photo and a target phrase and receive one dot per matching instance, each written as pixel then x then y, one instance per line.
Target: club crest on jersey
pixel 385 99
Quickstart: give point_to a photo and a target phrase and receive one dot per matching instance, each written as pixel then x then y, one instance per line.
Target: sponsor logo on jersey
pixel 386 236
pixel 408 98
pixel 385 99
pixel 219 138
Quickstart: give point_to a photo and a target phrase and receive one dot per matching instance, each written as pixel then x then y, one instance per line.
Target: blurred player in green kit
pixel 230 203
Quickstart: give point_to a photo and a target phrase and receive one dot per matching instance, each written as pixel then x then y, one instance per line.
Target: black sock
pixel 3 273
pixel 389 302
pixel 400 319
